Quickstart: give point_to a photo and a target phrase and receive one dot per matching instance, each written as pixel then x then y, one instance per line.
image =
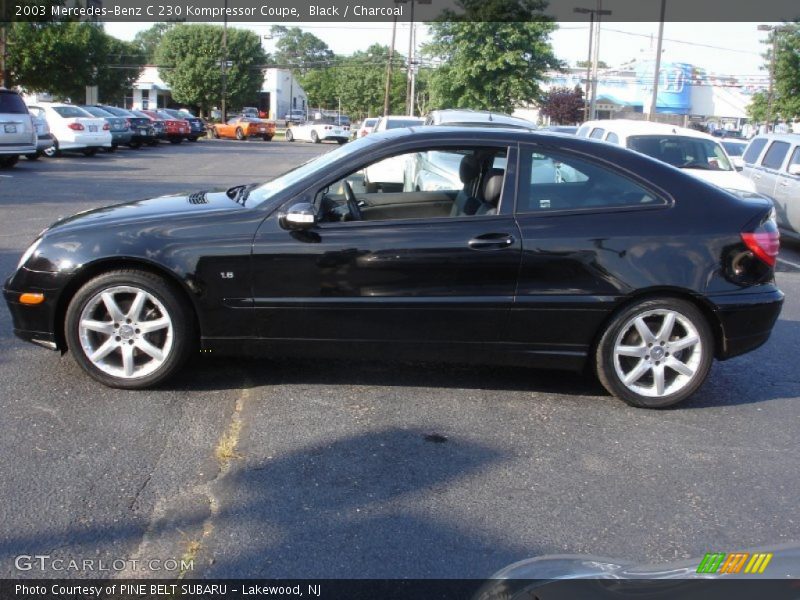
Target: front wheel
pixel 239 134
pixel 53 150
pixel 289 136
pixel 655 353
pixel 129 329
pixel 315 137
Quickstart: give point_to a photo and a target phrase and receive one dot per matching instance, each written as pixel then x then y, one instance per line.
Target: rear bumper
pixel 746 320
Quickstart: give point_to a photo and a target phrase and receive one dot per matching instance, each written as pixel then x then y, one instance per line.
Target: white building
pixel 280 91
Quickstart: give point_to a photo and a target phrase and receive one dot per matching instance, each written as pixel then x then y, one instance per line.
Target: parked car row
pixel 50 128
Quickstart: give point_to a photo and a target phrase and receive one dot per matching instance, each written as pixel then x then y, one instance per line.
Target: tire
pixel 164 307
pixel 89 151
pixel 152 143
pixel 112 149
pixel 53 150
pixel 175 140
pixel 6 162
pixel 135 145
pixel 340 142
pixel 192 139
pixel 624 351
pixel 240 134
pixel 315 137
pixel 35 156
pixel 289 136
pixel 267 138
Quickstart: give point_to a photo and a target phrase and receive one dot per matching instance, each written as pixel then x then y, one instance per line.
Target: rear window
pixel 97 112
pixel 68 112
pixel 370 122
pixel 773 159
pixel 597 133
pixel 754 150
pixel 398 123
pixel 684 152
pixel 11 103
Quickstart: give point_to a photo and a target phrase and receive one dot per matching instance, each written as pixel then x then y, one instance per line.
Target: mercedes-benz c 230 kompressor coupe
pixel 549 251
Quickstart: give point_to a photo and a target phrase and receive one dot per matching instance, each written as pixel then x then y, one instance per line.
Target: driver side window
pixel 429 183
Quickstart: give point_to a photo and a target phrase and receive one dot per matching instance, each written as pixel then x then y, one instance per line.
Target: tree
pixel 122 67
pixel 361 80
pixel 563 105
pixel 190 59
pixel 757 109
pixel 787 72
pixel 299 50
pixel 59 58
pixel 584 64
pixel 493 57
pixel 149 39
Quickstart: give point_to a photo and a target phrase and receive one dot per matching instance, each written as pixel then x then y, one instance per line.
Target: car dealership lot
pixel 324 468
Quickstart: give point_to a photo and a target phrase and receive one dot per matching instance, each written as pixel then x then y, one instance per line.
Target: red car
pixel 175 130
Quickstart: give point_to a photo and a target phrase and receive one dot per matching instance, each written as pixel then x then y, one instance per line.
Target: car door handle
pixel 491 241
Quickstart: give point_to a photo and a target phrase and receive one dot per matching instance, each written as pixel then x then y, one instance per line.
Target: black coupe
pixel 537 249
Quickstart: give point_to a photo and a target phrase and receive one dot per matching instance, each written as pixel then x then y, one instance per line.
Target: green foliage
pixel 757 109
pixel 60 58
pixel 584 64
pixel 489 65
pixel 149 39
pixel 299 50
pixel 563 105
pixel 123 66
pixel 190 58
pixel 787 73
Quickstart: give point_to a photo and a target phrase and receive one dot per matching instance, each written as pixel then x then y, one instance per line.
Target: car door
pixel 787 192
pixel 422 280
pixel 766 174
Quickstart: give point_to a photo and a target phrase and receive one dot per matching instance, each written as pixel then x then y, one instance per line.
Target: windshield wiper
pixel 239 193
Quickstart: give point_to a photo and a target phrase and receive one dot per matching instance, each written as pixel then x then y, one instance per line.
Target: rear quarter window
pixel 583 131
pixel 777 151
pixel 754 150
pixel 612 137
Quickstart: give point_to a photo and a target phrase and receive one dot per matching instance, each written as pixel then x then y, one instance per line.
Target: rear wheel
pixel 239 134
pixel 175 140
pixel 129 329
pixel 315 137
pixel 655 353
pixel 89 151
pixel 6 162
pixel 113 148
pixel 289 135
pixel 267 138
pixel 53 150
pixel 192 139
pixel 214 133
pixel 135 144
pixel 34 156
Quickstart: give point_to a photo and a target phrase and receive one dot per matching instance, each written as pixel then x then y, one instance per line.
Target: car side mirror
pixel 794 170
pixel 299 217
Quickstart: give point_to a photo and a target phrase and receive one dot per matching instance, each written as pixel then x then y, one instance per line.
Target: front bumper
pixel 746 320
pixel 34 323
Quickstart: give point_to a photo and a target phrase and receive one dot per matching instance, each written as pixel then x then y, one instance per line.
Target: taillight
pixel 75 126
pixel 764 241
pixel 106 127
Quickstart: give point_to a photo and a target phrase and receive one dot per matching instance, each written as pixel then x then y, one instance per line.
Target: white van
pixel 698 153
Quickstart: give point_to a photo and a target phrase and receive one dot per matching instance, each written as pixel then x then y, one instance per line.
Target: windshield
pixel 684 152
pixel 268 190
pixel 734 148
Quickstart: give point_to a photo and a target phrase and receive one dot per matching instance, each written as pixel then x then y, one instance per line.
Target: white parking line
pixel 788 262
pixel 7 176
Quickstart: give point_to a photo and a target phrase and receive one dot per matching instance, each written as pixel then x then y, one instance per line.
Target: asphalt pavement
pixel 301 468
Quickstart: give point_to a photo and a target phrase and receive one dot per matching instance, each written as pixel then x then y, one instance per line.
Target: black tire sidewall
pixel 604 355
pixel 184 338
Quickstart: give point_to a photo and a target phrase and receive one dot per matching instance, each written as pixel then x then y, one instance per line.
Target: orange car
pixel 242 128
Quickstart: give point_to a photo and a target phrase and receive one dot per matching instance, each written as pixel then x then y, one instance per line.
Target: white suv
pixel 17 132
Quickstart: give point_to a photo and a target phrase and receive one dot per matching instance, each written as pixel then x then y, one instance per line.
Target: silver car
pixel 17 133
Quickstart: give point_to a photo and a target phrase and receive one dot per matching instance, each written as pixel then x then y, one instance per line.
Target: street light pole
pixel 654 100
pixel 588 96
pixel 224 103
pixel 594 52
pixel 409 101
pixel 389 70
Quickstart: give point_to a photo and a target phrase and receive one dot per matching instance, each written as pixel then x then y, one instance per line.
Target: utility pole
pixel 409 100
pixel 224 102
pixel 775 29
pixel 654 100
pixel 594 53
pixel 389 70
pixel 4 24
pixel 413 76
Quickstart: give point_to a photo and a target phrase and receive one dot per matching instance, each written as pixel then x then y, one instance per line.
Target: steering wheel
pixel 352 202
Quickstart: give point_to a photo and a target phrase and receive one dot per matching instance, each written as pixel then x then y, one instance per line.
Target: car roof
pixel 792 138
pixel 629 127
pixel 465 115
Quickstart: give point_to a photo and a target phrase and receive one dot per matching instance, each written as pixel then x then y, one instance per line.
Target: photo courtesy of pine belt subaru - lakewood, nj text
pixel 547 250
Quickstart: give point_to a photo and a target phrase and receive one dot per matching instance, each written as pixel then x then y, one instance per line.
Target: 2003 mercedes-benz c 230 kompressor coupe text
pixel 539 249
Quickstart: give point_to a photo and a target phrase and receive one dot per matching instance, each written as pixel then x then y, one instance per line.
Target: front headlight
pixel 29 252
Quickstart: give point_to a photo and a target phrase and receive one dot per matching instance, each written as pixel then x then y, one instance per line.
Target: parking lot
pixel 264 468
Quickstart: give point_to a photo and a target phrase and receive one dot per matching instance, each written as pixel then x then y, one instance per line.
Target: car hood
pixel 164 207
pixel 730 180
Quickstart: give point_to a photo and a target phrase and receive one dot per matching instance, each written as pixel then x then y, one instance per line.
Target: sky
pixel 721 48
